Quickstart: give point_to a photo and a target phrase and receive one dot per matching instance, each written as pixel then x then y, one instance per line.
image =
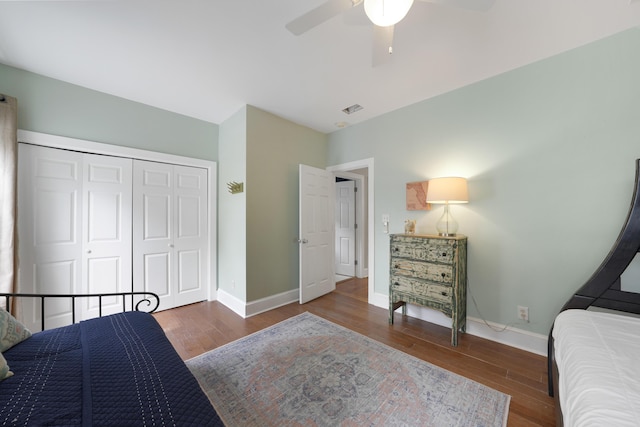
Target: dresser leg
pixel 393 306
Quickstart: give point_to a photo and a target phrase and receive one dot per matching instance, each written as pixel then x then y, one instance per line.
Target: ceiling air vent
pixel 352 109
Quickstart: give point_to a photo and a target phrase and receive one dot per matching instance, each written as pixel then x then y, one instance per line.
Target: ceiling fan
pixel 384 14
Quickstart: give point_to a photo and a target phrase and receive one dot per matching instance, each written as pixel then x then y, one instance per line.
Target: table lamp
pixel 447 191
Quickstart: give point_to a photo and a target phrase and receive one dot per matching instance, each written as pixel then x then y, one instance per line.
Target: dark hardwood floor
pixel 197 328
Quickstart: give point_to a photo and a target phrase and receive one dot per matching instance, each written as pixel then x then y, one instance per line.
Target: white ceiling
pixel 208 58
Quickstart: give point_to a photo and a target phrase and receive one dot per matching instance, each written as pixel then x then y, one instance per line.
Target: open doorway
pixel 346 226
pixel 360 173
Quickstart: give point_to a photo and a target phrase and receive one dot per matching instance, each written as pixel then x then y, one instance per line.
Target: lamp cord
pixel 475 304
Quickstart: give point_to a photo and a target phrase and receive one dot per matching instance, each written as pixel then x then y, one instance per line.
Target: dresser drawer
pixel 431 250
pixel 429 271
pixel 421 289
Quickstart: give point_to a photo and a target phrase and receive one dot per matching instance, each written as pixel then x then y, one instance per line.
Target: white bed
pixel 598 359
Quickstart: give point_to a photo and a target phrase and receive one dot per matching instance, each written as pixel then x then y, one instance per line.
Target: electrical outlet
pixel 523 313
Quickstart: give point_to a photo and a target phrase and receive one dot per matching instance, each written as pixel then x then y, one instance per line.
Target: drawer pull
pixel 443 293
pixel 443 275
pixel 444 254
pixel 396 249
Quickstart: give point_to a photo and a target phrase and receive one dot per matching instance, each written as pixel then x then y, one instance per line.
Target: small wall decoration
pixel 235 187
pixel 417 196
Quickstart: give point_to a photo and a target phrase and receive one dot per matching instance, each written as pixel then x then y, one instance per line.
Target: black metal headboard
pixel 603 289
pixel 148 303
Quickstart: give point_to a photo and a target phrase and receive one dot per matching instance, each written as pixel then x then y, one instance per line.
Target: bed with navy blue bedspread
pixel 118 370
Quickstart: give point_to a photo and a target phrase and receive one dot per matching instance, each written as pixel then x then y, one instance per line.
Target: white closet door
pixel 107 194
pixel 191 234
pixel 49 221
pixel 170 245
pixel 153 230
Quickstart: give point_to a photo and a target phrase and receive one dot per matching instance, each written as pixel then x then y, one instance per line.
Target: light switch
pixel 385 223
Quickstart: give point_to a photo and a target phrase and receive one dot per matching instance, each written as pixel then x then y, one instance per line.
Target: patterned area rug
pixel 307 371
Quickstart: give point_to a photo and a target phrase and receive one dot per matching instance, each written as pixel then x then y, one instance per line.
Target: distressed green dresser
pixel 430 271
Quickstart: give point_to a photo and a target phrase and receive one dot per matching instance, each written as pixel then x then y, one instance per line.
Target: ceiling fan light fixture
pixel 384 13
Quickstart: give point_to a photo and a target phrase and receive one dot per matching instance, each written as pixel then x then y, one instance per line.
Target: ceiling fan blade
pixel 476 5
pixel 356 17
pixel 382 44
pixel 317 16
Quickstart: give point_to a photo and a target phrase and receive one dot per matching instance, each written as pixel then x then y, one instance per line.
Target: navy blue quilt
pixel 119 370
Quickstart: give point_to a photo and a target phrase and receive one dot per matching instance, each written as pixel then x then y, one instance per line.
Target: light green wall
pixel 54 107
pixel 549 150
pixel 275 148
pixel 257 254
pixel 232 208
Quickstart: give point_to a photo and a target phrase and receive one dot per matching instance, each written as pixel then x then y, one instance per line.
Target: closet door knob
pixel 170 245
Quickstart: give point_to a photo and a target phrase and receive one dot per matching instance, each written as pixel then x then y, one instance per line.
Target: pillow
pixel 4 368
pixel 11 331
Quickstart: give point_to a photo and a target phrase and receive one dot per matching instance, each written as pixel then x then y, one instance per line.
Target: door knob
pixel 303 241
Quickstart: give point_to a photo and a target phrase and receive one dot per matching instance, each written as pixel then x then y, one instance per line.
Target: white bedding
pixel 598 357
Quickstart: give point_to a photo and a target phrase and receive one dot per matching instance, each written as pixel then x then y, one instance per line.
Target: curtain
pixel 8 193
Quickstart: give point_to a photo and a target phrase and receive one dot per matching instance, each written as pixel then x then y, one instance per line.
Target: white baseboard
pixel 274 301
pixel 231 302
pixel 245 310
pixel 514 337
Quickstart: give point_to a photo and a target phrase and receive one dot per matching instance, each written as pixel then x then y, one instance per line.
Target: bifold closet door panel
pixel 170 243
pixel 153 230
pixel 107 194
pixel 49 229
pixel 75 229
pixel 191 237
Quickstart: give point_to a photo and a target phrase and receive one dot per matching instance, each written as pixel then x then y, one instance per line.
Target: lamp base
pixel 446 225
pixel 447 234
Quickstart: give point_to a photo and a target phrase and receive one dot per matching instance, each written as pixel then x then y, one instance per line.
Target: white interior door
pixel 75 228
pixel 153 230
pixel 50 227
pixel 190 240
pixel 107 194
pixel 316 233
pixel 345 209
pixel 170 244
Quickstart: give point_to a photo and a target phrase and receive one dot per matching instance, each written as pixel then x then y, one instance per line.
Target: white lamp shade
pixel 384 13
pixel 447 190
